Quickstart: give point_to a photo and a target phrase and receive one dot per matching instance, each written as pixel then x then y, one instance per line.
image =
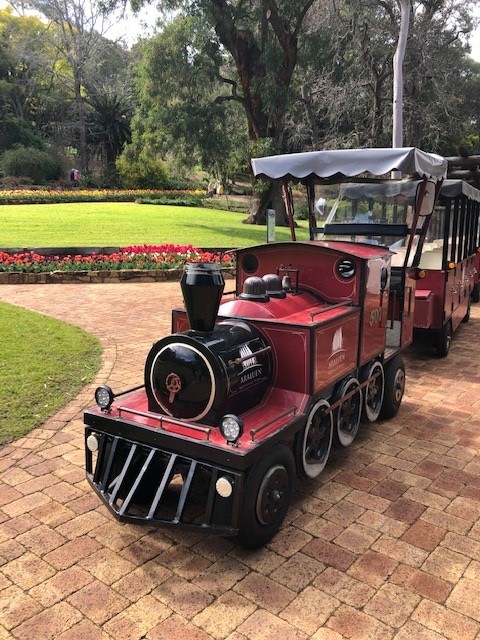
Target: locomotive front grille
pixel 141 483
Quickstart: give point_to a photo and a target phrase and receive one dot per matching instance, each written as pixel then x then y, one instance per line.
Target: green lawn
pixel 44 363
pixel 93 224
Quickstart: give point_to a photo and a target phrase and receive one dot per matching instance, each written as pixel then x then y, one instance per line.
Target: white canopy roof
pixel 348 163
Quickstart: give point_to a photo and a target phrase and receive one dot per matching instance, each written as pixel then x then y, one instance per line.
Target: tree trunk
pixel 271 198
pixel 397 134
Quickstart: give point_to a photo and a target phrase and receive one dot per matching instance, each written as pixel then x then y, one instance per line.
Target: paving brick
pixel 16 606
pixel 414 630
pixel 49 623
pixel 262 560
pixel 310 610
pixel 221 576
pixel 423 583
pixel 400 550
pixel 344 587
pixel 424 535
pixel 25 504
pixel 106 566
pixel 60 586
pixel 41 539
pixel 373 568
pixel 465 598
pixel 297 572
pixel 329 554
pixel 344 513
pixel 28 570
pixel 357 625
pixel 368 501
pixel 318 527
pixel 446 564
pixel 224 615
pixel 262 625
pixel 182 596
pixel 72 552
pixel 392 604
pixel 177 628
pixel 452 625
pixel 357 538
pixel 142 580
pixel 289 541
pixel 137 620
pixel 98 602
pixel 84 630
pixel 265 592
pixel 405 510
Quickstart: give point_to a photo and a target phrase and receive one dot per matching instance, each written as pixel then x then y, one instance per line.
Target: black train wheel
pixel 443 340
pixel 268 491
pixel 475 295
pixel 374 392
pixel 314 442
pixel 394 387
pixel 348 413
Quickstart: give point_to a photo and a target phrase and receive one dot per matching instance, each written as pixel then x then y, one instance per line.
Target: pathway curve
pixel 386 544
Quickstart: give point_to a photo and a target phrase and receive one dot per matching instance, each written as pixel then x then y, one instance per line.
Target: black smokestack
pixel 202 287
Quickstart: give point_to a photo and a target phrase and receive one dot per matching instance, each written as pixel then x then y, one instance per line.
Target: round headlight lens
pixel 231 428
pixel 104 397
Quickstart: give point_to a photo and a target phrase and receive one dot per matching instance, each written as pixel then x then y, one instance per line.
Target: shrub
pixel 37 165
pixel 143 172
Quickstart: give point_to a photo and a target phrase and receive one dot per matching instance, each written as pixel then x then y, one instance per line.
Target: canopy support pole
pixel 288 200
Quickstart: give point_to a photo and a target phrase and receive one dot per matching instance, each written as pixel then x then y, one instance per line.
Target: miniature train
pixel 254 387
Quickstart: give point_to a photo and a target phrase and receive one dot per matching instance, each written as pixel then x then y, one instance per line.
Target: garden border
pixel 98 277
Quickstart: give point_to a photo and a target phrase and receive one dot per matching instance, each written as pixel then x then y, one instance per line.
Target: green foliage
pixel 108 123
pixel 193 119
pixel 14 131
pixel 30 162
pixel 142 172
pixel 190 201
pixel 44 363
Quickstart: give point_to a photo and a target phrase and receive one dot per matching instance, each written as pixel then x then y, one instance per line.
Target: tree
pixel 262 38
pixel 79 26
pixel 108 124
pixel 349 96
pixel 29 90
pixel 191 121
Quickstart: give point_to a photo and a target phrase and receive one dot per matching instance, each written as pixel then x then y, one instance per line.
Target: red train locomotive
pixel 254 387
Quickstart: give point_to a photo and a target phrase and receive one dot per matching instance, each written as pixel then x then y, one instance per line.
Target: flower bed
pixel 48 196
pixel 146 263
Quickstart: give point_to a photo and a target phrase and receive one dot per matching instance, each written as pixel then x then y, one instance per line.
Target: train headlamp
pixel 104 397
pixel 451 265
pixel 422 274
pixel 231 428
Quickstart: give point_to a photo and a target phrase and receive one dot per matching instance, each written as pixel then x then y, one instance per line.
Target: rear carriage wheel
pixel 466 317
pixel 443 340
pixel 268 491
pixel 475 295
pixel 314 442
pixel 374 392
pixel 394 387
pixel 348 413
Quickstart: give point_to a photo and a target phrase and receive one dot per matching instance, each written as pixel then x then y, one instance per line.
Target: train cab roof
pixel 454 188
pixel 339 164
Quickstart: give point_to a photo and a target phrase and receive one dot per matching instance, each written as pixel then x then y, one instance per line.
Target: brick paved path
pixel 386 544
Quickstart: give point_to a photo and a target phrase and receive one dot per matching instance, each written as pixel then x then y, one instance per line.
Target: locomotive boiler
pixel 255 386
